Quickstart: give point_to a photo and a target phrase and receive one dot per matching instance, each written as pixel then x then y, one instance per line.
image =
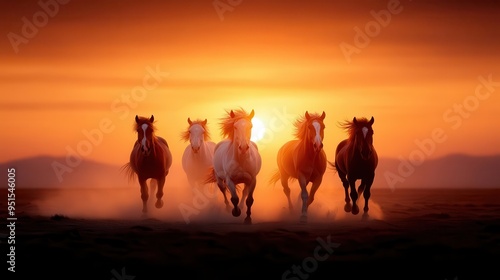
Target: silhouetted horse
pixel 356 159
pixel 150 159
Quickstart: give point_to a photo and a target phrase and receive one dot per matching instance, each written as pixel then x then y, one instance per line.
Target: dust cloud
pixel 206 205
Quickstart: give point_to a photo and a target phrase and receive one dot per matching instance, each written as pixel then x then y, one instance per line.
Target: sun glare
pixel 258 129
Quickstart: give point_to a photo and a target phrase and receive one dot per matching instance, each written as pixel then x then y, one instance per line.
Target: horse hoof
pixel 248 221
pixel 236 212
pixel 365 216
pixel 303 219
pixel 159 204
pixel 355 210
pixel 347 208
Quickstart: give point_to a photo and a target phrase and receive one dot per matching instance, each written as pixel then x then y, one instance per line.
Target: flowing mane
pixel 301 124
pixel 227 123
pixel 350 127
pixel 143 120
pixel 206 135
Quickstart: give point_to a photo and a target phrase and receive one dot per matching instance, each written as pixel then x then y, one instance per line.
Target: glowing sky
pixel 279 58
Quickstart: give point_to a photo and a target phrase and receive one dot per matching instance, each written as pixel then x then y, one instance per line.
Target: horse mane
pixel 227 123
pixel 206 135
pixel 143 120
pixel 350 127
pixel 301 124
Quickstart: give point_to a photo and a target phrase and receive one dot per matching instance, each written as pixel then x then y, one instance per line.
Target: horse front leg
pixel 354 196
pixel 314 188
pixel 159 193
pixel 144 195
pixel 367 194
pixel 249 201
pixel 234 197
pixel 304 195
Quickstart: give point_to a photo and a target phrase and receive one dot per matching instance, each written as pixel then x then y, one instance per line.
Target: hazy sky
pixel 67 68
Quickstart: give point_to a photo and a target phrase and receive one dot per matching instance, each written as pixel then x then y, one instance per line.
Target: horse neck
pixel 306 147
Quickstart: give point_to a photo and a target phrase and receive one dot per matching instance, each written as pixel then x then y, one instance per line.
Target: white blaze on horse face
pixel 318 142
pixel 144 139
pixel 365 131
pixel 242 135
pixel 196 136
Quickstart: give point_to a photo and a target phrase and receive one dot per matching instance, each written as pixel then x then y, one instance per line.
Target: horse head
pixel 315 130
pixel 242 132
pixel 144 128
pixel 197 132
pixel 364 137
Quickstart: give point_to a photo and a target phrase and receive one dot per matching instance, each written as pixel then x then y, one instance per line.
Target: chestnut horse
pixel 303 159
pixel 356 159
pixel 150 159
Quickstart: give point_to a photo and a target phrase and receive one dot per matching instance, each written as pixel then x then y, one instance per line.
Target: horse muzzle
pixel 317 147
pixel 243 148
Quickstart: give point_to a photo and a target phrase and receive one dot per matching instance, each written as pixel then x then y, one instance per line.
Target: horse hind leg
pixel 286 189
pixel 223 188
pixel 345 184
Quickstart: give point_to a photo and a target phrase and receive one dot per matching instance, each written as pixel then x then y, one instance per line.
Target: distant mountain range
pixel 40 172
pixel 454 171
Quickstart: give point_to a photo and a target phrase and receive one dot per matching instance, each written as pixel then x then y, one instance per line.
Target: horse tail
pixel 361 189
pixel 275 177
pixel 210 176
pixel 332 165
pixel 130 173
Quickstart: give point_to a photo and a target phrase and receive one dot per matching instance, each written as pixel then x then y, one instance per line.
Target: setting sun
pixel 258 129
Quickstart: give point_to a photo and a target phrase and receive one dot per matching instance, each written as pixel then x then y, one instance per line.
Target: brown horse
pixel 303 159
pixel 356 159
pixel 150 159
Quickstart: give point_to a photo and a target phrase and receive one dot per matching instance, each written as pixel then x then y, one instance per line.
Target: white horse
pixel 237 161
pixel 197 158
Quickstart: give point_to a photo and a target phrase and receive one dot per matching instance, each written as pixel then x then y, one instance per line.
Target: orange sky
pixel 276 58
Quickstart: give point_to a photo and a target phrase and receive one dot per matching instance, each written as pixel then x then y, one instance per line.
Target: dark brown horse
pixel 356 159
pixel 303 159
pixel 150 159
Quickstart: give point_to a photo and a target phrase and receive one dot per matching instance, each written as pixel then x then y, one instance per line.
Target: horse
pixel 303 159
pixel 198 155
pixel 236 161
pixel 356 159
pixel 150 159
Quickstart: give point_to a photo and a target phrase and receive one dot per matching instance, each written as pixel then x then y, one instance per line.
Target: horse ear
pixel 152 119
pixel 205 122
pixel 232 114
pixel 323 115
pixel 251 114
pixel 189 121
pixel 354 120
pixel 372 120
pixel 307 115
pixel 136 118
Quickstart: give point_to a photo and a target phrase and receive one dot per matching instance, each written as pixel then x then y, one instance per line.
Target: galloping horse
pixel 150 159
pixel 356 159
pixel 303 159
pixel 236 161
pixel 198 155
